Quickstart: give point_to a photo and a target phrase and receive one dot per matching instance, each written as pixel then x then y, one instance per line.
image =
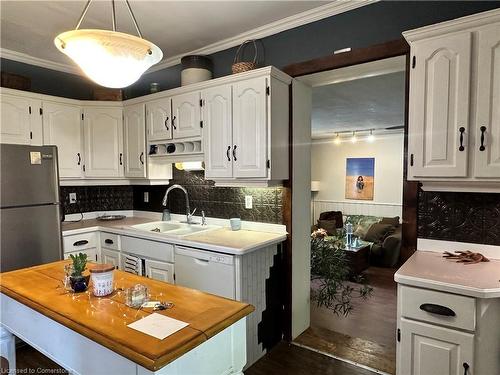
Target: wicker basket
pixel 244 66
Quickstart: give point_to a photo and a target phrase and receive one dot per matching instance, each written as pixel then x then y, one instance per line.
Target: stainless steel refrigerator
pixel 30 218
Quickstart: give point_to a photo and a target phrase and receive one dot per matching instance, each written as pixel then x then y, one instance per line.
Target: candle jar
pixel 136 296
pixel 102 279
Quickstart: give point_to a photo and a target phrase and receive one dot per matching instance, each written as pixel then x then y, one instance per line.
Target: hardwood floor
pixel 367 335
pixel 289 359
pixel 29 359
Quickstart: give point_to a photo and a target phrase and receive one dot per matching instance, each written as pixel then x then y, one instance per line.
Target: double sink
pixel 174 229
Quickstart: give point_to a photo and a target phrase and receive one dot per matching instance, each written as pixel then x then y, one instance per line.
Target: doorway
pixel 358 123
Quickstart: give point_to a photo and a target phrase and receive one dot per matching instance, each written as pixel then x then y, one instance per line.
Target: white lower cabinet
pixel 442 333
pixel 92 254
pixel 109 256
pixel 161 271
pixel 434 350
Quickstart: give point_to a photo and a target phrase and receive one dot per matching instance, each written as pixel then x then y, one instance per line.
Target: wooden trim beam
pixel 356 56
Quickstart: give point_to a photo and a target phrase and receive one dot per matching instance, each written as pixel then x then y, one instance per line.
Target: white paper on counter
pixel 157 325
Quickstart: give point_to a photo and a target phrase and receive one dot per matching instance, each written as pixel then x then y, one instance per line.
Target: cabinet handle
pixel 108 241
pixel 79 158
pixel 483 130
pixel 234 153
pixel 461 130
pixel 227 153
pixel 437 309
pixel 80 243
pixel 141 158
pixel 121 158
pixel 173 122
pixel 166 122
pixel 466 368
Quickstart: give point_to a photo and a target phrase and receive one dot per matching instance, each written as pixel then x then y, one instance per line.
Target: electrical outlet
pixel 146 196
pixel 248 201
pixel 72 198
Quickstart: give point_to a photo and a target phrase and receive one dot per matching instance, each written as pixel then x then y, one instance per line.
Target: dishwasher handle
pixel 202 262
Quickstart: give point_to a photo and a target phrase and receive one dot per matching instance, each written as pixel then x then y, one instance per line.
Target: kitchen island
pixel 89 335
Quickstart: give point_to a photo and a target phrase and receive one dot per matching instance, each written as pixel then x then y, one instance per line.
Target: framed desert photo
pixel 359 179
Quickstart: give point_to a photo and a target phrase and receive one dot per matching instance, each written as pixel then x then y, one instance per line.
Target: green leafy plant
pixel 330 274
pixel 79 264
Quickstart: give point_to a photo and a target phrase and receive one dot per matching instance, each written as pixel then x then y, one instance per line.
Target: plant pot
pixel 79 283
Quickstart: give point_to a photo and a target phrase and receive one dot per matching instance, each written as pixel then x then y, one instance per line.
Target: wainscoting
pixel 355 208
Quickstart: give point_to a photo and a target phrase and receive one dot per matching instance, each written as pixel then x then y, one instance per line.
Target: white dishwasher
pixel 205 270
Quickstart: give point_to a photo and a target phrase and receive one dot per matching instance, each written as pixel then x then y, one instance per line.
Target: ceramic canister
pixel 195 68
pixel 102 279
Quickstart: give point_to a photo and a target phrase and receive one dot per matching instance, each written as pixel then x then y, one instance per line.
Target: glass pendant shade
pixel 109 58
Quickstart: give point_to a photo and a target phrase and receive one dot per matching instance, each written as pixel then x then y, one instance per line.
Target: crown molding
pixel 458 24
pixel 303 18
pixel 31 60
pixel 299 19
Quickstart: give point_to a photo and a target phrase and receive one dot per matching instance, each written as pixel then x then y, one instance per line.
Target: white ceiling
pixel 375 102
pixel 177 27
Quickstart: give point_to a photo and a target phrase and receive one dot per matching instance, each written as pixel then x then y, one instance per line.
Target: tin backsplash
pixel 97 198
pixel 219 202
pixel 460 217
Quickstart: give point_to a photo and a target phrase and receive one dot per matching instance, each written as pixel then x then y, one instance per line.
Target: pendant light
pixel 109 58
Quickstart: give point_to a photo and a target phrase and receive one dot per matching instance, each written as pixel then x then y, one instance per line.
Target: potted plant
pixel 331 287
pixel 79 282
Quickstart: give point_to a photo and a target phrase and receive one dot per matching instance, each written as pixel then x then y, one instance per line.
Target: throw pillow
pixel 328 225
pixel 378 232
pixel 333 215
pixel 394 221
pixel 360 231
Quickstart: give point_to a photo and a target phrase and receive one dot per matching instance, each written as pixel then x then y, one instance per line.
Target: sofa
pixel 384 232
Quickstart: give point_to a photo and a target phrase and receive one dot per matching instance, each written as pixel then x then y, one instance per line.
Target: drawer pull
pixel 108 241
pixel 437 309
pixel 80 243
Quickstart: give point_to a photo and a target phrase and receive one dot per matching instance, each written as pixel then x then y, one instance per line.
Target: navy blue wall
pixel 362 27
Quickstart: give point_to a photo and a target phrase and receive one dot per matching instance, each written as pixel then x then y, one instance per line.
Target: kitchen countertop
pixel 89 223
pixel 222 240
pixel 104 319
pixel 430 270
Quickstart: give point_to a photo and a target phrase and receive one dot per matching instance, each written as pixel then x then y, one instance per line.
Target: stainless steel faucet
pixel 189 214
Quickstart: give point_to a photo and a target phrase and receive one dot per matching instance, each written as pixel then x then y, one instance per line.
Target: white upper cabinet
pixel 134 141
pixel 249 149
pixel 218 132
pixel 245 130
pixel 439 106
pixel 186 115
pixel 21 120
pixel 159 119
pixel 62 127
pixel 103 135
pixel 487 122
pixel 454 103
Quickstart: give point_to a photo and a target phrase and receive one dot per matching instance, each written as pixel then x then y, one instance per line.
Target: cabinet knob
pixel 483 130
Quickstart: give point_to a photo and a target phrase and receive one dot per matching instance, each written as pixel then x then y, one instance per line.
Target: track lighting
pixel 353 138
pixel 371 137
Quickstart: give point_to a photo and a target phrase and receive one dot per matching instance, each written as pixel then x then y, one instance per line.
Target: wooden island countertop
pixel 105 319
